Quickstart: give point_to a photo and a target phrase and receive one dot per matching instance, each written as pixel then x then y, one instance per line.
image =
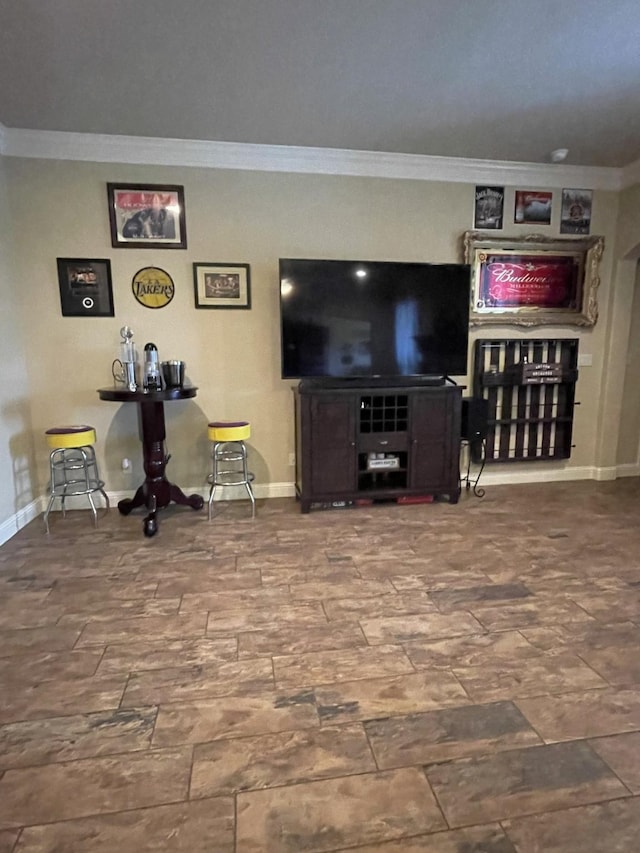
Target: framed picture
pixel 85 287
pixel 222 285
pixel 575 217
pixel 532 208
pixel 489 207
pixel 147 216
pixel 533 280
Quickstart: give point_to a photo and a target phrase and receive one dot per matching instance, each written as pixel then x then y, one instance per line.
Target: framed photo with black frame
pixel 222 285
pixel 85 287
pixel 147 216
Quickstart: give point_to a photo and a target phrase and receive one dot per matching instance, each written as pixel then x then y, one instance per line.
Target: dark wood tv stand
pixel 358 442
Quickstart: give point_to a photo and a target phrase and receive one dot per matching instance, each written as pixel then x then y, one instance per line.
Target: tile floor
pixel 452 679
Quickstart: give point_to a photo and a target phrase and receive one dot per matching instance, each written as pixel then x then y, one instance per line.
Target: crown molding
pixel 139 150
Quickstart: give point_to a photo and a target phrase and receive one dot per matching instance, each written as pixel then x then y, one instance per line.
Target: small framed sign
pixel 532 208
pixel 85 287
pixel 147 216
pixel 153 287
pixel 576 211
pixel 489 207
pixel 222 285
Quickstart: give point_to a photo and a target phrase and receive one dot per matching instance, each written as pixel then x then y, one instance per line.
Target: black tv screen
pixel 350 319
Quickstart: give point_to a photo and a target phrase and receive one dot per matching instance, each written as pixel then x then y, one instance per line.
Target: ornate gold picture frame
pixel 533 280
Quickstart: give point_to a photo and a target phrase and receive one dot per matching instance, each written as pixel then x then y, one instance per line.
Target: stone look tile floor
pixel 384 679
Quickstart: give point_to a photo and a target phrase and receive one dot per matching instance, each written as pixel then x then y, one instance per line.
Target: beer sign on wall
pixel 533 280
pixel 153 287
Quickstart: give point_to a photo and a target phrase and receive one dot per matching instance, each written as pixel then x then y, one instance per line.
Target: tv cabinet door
pixel 331 452
pixel 435 441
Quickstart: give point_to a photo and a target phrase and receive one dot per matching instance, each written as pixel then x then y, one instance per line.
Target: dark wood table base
pixel 156 492
pixel 155 496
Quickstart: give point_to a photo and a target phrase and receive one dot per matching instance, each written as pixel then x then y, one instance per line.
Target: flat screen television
pixel 373 319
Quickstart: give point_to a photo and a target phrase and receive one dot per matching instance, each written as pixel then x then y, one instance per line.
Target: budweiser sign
pixel 521 281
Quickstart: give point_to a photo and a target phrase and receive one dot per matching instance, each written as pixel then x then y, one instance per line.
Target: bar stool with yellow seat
pixel 73 467
pixel 229 458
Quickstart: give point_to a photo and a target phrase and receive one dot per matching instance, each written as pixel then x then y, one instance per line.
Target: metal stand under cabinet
pixel 360 444
pixel 473 451
pixel 529 385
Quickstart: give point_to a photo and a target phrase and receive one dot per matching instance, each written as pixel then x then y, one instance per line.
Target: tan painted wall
pixel 629 436
pixel 627 237
pixel 233 356
pixel 628 286
pixel 17 473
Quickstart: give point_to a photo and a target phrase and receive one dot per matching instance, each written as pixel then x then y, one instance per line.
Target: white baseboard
pixel 630 469
pixel 20 519
pixel 505 477
pixel 275 490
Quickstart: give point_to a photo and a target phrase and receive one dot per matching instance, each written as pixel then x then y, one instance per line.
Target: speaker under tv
pixel 475 419
pixel 376 322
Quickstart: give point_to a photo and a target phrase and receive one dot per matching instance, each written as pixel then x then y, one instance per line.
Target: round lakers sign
pixel 153 287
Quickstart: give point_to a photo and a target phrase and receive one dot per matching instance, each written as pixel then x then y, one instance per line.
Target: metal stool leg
pixel 215 476
pixel 247 480
pixel 47 511
pixel 94 483
pixel 211 495
pixel 90 468
pixel 52 489
pixel 93 509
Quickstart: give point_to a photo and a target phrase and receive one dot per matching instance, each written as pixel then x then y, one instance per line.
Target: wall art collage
pixel 147 216
pixel 533 207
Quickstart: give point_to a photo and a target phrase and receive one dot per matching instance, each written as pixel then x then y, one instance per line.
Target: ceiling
pixel 487 79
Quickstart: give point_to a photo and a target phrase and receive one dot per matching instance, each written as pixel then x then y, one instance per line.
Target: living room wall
pixel 16 437
pixel 59 209
pixel 628 287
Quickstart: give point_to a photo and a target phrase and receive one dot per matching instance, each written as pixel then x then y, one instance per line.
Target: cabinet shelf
pixel 382 480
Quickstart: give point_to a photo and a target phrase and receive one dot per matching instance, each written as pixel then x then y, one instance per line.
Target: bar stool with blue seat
pixel 229 459
pixel 73 467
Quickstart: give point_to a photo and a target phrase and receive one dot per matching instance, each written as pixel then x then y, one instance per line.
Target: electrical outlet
pixel 126 464
pixel 292 460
